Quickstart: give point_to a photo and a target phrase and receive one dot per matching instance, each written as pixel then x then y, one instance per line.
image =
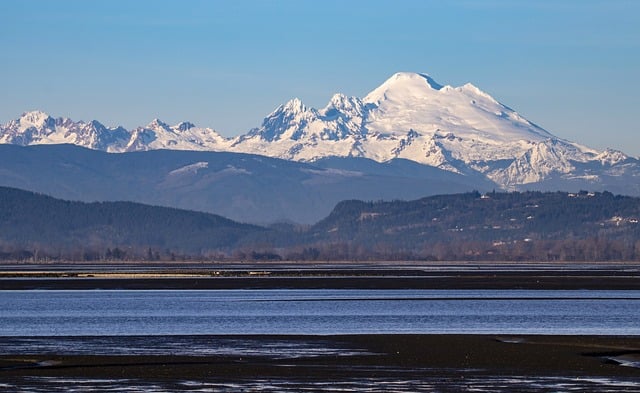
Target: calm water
pixel 322 312
pixel 159 322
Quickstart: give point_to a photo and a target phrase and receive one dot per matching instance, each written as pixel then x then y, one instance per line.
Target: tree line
pixel 515 226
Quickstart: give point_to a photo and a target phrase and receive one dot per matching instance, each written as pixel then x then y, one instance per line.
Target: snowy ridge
pixel 38 128
pixel 409 116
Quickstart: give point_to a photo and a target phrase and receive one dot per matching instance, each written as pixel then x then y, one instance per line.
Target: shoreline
pixel 334 275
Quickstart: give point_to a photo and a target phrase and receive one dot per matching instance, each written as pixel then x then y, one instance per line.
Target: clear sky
pixel 572 67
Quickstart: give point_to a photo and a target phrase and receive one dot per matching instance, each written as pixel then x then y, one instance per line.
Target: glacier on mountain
pixel 410 116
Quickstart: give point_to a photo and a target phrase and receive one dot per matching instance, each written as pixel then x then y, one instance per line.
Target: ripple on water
pixel 632 360
pixel 469 383
pixel 177 346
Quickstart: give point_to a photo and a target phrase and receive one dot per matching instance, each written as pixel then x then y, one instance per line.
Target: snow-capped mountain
pixel 410 116
pixel 182 136
pixel 38 128
pixel 459 129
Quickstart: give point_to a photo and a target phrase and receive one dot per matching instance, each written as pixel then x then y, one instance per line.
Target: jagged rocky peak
pixel 292 106
pixel 97 125
pixel 284 119
pixel 67 123
pixel 341 101
pixel 612 157
pixel 185 126
pixel 36 119
pixel 342 104
pixel 157 123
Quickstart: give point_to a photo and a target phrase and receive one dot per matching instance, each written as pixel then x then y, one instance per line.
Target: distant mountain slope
pixel 485 217
pixel 36 221
pixel 410 116
pixel 243 187
pixel 531 225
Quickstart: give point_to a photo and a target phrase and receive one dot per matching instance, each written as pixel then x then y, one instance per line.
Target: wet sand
pixel 417 358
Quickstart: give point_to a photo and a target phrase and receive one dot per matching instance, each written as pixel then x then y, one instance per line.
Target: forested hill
pixel 529 225
pixel 35 222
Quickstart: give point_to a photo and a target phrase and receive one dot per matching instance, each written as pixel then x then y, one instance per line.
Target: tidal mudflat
pixel 374 363
pixel 498 335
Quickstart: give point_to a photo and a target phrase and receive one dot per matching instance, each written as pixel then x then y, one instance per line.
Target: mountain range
pixel 459 130
pixel 243 187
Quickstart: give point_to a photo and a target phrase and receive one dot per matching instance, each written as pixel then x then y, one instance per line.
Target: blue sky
pixel 573 67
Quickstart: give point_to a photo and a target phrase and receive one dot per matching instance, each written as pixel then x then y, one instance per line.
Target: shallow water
pixel 265 347
pixel 318 312
pixel 427 383
pixel 123 322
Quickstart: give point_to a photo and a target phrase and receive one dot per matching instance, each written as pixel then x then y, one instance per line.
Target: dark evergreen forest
pixel 527 226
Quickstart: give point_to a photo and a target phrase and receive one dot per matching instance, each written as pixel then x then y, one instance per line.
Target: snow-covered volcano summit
pixel 415 101
pixel 409 116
